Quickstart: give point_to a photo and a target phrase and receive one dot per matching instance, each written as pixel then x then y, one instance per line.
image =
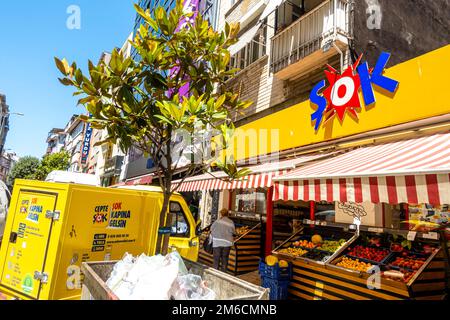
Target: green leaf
pixel 66 81
pixel 163 119
pixel 143 31
pixel 86 100
pixel 63 66
pixel 79 76
pixel 220 101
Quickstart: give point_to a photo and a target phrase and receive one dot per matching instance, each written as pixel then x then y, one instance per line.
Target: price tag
pixel 318 223
pixel 431 235
pixel 308 221
pixel 352 227
pixel 411 235
pixel 324 223
pixel 305 221
pixel 375 230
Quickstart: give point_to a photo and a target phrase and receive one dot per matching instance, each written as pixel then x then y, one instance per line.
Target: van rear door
pixel 23 269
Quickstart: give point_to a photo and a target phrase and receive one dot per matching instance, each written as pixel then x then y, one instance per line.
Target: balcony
pixel 311 40
pixel 113 166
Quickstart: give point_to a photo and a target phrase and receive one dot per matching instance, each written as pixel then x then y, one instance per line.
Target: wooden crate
pixel 244 255
pixel 313 281
pixel 325 281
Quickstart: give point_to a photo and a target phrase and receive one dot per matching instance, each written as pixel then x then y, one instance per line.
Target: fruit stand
pixel 377 263
pixel 315 243
pixel 245 253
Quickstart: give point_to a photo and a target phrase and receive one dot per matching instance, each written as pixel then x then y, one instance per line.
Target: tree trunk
pixel 163 239
pixel 166 237
pixel 165 218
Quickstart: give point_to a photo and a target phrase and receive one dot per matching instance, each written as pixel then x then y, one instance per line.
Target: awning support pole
pixel 269 221
pixel 406 209
pixel 312 215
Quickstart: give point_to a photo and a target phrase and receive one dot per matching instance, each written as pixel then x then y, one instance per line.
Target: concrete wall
pixel 233 13
pixel 406 28
pixel 257 83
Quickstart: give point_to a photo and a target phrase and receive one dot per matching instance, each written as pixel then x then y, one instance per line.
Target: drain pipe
pixel 340 53
pixel 335 35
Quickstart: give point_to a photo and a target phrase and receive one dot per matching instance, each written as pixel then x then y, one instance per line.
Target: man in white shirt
pixel 222 233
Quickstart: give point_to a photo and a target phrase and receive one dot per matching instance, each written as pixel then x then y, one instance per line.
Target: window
pixel 252 51
pixel 180 225
pixel 79 128
pixel 77 147
pixel 287 13
pixel 250 201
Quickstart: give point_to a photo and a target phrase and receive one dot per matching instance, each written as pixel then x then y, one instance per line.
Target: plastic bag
pixel 191 287
pixel 120 271
pixel 176 258
pixel 156 278
pixel 155 284
pixel 143 278
pixel 208 245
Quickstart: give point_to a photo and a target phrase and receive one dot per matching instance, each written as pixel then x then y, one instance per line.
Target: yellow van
pixel 52 228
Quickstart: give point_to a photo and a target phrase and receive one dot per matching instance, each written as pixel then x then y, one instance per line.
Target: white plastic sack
pixel 191 287
pixel 153 284
pixel 156 278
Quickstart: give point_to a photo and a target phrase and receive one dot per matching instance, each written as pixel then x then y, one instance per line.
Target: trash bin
pixel 224 285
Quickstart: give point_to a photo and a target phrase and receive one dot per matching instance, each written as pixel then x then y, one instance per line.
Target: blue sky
pixel 31 34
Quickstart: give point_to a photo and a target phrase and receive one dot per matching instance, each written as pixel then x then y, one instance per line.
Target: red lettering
pixel 117 206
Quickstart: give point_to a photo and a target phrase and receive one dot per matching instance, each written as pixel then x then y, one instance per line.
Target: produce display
pixel 408 262
pixel 317 255
pixel 242 230
pixel 316 239
pixel 331 245
pixel 405 269
pixel 271 260
pixel 283 264
pixel 304 244
pixel 354 264
pixel 316 249
pixel 295 252
pixel 374 254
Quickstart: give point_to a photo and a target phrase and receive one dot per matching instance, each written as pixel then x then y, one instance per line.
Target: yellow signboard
pixel 423 93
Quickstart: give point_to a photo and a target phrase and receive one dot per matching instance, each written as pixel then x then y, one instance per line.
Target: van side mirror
pixel 198 229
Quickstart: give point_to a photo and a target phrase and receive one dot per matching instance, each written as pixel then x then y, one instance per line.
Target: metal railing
pixel 309 33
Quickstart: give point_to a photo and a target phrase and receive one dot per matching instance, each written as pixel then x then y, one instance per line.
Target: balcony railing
pixel 320 27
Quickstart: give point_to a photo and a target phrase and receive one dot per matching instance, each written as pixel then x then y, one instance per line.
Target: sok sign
pixel 342 93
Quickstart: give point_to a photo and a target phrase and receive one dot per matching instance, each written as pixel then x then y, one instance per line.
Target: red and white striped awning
pixel 261 176
pixel 142 180
pixel 409 171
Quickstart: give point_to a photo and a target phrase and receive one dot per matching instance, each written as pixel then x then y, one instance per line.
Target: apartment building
pixel 74 132
pixel 4 121
pixel 7 161
pixel 55 140
pixel 284 46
